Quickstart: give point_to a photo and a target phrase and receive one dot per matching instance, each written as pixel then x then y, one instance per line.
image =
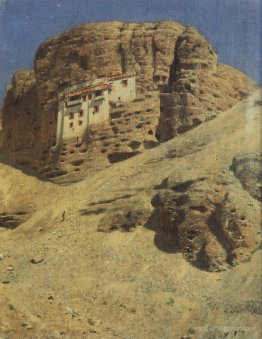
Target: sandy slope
pixel 85 283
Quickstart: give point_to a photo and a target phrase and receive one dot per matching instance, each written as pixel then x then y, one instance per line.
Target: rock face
pixel 207 226
pixel 1 135
pixel 247 168
pixel 199 87
pixel 179 85
pixel 20 112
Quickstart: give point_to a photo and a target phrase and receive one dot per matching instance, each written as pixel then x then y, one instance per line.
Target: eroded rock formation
pixel 207 226
pixel 20 114
pixel 179 85
pixel 199 88
pixel 248 169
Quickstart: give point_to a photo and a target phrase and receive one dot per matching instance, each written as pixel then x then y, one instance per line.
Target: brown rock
pixel 170 61
pixel 123 220
pixel 214 256
pixel 206 226
pixel 199 88
pixel 247 168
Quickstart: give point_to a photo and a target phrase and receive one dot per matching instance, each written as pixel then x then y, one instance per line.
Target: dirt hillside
pixel 162 245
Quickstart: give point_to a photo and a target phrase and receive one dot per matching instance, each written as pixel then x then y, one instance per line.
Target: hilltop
pixel 179 85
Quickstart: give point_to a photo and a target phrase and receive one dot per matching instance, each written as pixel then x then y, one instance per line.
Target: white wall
pixel 124 93
pixel 89 117
pixel 103 114
pixel 77 130
pixel 65 130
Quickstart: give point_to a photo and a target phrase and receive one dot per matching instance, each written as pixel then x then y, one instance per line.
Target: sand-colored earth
pixel 64 279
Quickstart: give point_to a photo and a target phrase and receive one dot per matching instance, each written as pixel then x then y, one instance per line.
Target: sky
pixel 233 27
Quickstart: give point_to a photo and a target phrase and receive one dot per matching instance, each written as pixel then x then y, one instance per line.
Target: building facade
pixel 86 104
pixel 123 88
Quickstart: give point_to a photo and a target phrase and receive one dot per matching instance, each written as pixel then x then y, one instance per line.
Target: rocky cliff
pixel 179 85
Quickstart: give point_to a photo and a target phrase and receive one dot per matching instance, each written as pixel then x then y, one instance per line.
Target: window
pixel 71 125
pixel 74 97
pixel 125 83
pixel 96 109
pixel 71 116
pixel 80 122
pixel 81 113
pixel 98 93
pixel 84 98
pixel 90 96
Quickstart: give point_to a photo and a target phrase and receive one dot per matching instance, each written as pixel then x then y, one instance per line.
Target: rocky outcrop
pixel 207 226
pixel 20 114
pixel 1 134
pixel 13 219
pixel 172 62
pixel 199 88
pixel 248 169
pixel 123 220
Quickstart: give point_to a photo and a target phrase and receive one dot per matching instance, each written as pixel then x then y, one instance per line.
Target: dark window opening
pixel 96 109
pixel 81 113
pixel 187 87
pixel 80 122
pixel 71 125
pixel 74 97
pixel 90 96
pixel 71 116
pixel 125 83
pixel 156 78
pixel 98 93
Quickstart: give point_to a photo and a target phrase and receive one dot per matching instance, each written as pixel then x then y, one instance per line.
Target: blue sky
pixel 233 27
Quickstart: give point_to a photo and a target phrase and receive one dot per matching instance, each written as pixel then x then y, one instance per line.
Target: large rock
pixel 247 168
pixel 20 114
pixel 199 88
pixel 168 58
pixel 124 220
pixel 207 226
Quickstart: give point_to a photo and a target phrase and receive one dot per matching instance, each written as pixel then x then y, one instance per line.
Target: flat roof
pixel 85 90
pixel 90 86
